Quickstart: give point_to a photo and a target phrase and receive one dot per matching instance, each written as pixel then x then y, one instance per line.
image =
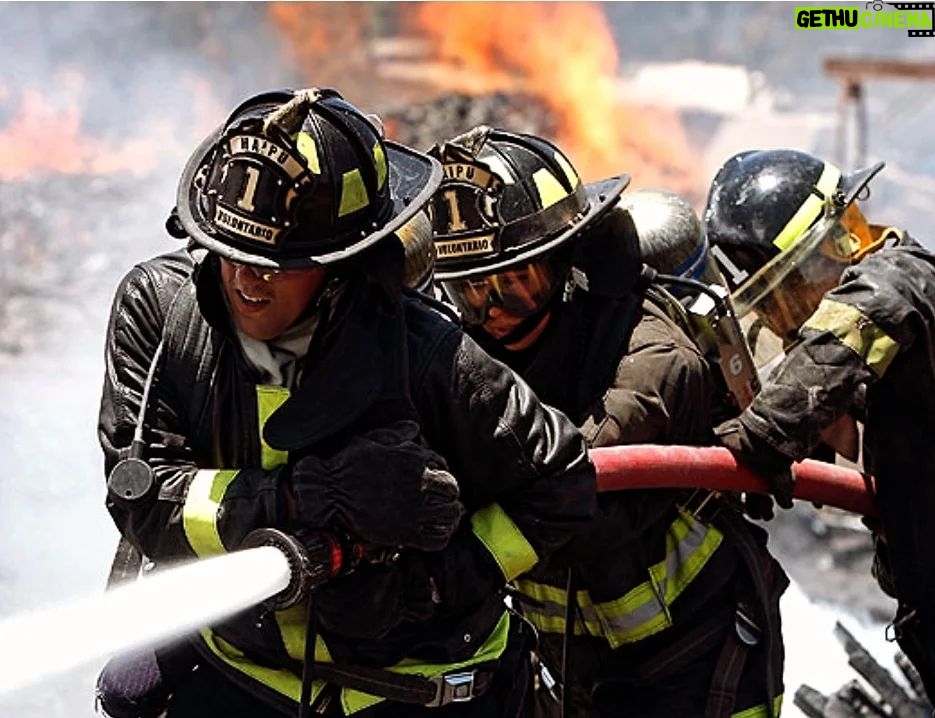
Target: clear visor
pixel 776 301
pixel 521 291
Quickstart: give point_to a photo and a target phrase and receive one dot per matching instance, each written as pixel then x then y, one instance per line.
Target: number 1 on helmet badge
pixel 470 207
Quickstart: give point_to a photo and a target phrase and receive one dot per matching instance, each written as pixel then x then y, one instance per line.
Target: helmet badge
pixel 466 209
pixel 256 182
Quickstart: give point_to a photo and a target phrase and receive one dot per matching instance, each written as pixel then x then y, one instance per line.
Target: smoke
pixel 100 106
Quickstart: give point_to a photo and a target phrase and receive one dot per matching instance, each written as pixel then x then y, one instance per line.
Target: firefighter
pixel 659 615
pixel 298 387
pixel 851 307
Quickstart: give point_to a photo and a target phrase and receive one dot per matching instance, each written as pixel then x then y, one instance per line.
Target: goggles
pixel 265 274
pixel 521 291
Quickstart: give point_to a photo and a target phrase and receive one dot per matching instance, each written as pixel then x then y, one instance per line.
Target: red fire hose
pixel 645 466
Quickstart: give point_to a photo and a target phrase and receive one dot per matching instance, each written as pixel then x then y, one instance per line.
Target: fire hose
pixel 644 466
pixel 708 467
pixel 209 590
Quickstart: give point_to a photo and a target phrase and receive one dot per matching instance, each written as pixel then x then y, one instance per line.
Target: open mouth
pixel 250 301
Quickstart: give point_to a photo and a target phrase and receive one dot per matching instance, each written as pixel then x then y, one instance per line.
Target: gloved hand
pixel 376 598
pixel 774 467
pixel 383 488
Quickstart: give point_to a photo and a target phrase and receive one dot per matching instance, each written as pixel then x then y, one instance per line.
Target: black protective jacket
pixel 522 468
pixel 869 350
pixel 656 588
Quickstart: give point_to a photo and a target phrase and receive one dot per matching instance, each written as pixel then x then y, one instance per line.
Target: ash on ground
pixel 829 553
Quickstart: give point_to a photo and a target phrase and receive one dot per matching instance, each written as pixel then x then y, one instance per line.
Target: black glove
pixel 774 467
pixel 376 598
pixel 383 488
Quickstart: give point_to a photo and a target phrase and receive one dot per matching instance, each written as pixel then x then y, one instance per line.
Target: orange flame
pixel 42 138
pixel 564 54
pixel 47 139
pixel 561 53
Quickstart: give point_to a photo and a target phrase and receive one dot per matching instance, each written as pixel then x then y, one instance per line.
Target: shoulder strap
pixel 188 345
pixel 180 341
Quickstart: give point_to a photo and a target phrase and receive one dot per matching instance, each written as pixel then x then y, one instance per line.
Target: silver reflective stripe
pixel 642 611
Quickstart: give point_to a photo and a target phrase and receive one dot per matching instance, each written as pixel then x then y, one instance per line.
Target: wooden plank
pixel 857 69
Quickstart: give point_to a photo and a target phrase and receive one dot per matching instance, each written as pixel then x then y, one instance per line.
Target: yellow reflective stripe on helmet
pixel 644 609
pixel 305 144
pixel 569 171
pixel 500 168
pixel 200 510
pixel 549 188
pixel 379 158
pixel 268 399
pixel 280 680
pixel 760 711
pixel 504 540
pixel 354 701
pixel 353 193
pixel 810 209
pixel 855 330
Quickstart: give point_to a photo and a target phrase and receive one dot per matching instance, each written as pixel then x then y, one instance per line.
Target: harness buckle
pixel 452 688
pixel 747 630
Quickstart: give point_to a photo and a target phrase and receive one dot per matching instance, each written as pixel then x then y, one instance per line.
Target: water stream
pixel 38 644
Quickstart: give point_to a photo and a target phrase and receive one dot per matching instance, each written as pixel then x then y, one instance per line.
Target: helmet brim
pixel 413 178
pixel 602 196
pixel 853 183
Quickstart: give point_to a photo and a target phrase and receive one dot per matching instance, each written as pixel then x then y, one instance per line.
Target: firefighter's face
pixel 266 303
pixel 500 302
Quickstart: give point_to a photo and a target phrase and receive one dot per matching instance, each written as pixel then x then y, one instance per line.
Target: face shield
pixel 521 291
pixel 776 301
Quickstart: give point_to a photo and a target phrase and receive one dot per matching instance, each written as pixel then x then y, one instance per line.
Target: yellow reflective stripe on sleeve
pixel 268 399
pixel 504 540
pixel 643 610
pixel 760 711
pixel 491 649
pixel 379 158
pixel 280 680
pixel 200 510
pixel 549 188
pixel 810 209
pixel 855 330
pixel 353 193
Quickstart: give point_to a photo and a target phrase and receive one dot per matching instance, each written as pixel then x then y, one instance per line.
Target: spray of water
pixel 151 611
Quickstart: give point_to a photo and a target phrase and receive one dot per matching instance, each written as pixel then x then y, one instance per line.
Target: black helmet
pixel 507 198
pixel 297 178
pixel 761 202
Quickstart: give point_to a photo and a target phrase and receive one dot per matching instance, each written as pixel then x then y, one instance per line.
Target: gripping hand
pixel 384 488
pixel 774 467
